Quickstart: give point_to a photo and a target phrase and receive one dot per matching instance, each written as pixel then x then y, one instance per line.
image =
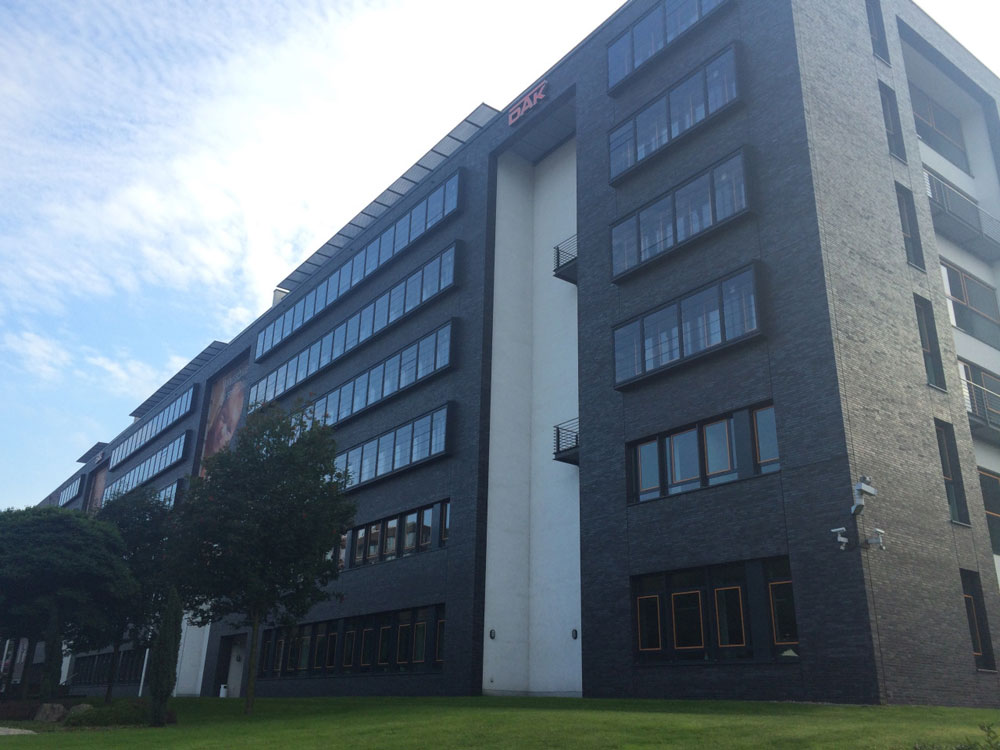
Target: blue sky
pixel 165 164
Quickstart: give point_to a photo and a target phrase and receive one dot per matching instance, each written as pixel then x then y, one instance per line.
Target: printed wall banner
pixel 97 491
pixel 225 407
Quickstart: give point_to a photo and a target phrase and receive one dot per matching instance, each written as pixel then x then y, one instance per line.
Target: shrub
pixel 19 710
pixel 127 711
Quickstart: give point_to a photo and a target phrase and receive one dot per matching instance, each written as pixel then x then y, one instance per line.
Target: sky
pixel 163 165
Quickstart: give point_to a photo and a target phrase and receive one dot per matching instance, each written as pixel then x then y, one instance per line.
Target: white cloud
pixel 40 357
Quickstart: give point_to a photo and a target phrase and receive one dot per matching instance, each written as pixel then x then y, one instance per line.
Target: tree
pixel 141 519
pixel 61 572
pixel 256 533
pixel 163 659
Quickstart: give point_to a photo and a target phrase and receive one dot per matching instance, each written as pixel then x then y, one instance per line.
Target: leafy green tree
pixel 256 535
pixel 61 572
pixel 142 520
pixel 163 658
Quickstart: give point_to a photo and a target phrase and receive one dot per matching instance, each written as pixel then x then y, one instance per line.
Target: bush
pixel 124 712
pixel 992 742
pixel 19 710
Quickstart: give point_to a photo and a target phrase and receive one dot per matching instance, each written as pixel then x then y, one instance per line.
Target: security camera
pixel 861 490
pixel 841 538
pixel 877 540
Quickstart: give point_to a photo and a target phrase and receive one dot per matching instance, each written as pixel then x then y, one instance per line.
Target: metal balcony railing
pixel 566 442
pixel 982 403
pixel 962 220
pixel 564 257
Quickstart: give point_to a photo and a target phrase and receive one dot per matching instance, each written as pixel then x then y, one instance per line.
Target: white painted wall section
pixel 191 659
pixel 533 530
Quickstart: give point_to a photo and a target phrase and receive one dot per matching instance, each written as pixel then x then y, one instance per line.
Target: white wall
pixel 191 659
pixel 533 528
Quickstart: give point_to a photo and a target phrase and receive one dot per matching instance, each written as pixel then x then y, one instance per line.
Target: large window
pixel 877 28
pixel 929 341
pixel 939 128
pixel 704 614
pixel 409 366
pixel 680 215
pixel 722 449
pixel 70 491
pixel 424 284
pixel 159 462
pixel 975 612
pixel 407 445
pixel 951 472
pixel 178 408
pixel 908 223
pixel 989 482
pixel 652 33
pixel 442 202
pixel 685 105
pixel 721 313
pixel 397 641
pixel 401 535
pixel 972 305
pixel 890 115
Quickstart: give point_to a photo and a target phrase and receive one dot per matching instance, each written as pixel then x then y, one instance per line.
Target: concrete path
pixel 4 730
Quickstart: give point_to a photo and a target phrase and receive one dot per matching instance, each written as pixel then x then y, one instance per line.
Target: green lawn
pixel 526 723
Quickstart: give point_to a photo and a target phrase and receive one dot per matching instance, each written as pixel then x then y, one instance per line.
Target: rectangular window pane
pixel 628 352
pixel 404 444
pixel 326 347
pixel 652 129
pixel 386 443
pixel 358 271
pixel 360 392
pixel 656 228
pixel 402 234
pixel 366 320
pixel 740 305
pixel 684 471
pixel 360 542
pixel 371 258
pixel 413 286
pixel 648 36
pixel 314 357
pixel 375 384
pixel 766 438
pixel 438 428
pixel 729 616
pixel 432 278
pixel 368 460
pixel 391 536
pixel 693 207
pixel 346 400
pixel 353 328
pixel 721 75
pixel 410 532
pixel 730 192
pixel 688 629
pixel 396 298
pixel 447 267
pixel 719 459
pixel 624 246
pixel 418 220
pixel 333 287
pixel 648 470
pixel 426 516
pixel 619 59
pixel 785 628
pixel 443 347
pixel 701 323
pixel 621 144
pixel 661 338
pixel 339 340
pixel 435 207
pixel 408 366
pixel 391 383
pixel 419 642
pixel 381 318
pixel 425 356
pixel 387 244
pixel 681 15
pixel 451 195
pixel 687 104
pixel 345 278
pixel 421 438
pixel 310 310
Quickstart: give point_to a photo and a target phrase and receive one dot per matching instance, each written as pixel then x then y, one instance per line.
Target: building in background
pixel 679 377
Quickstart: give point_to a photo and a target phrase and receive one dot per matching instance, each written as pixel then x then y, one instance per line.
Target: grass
pixel 526 723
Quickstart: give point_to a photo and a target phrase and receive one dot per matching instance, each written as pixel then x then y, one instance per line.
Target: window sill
pixel 657 155
pixel 631 383
pixel 963 524
pixel 914 265
pixel 986 671
pixel 897 157
pixel 680 246
pixel 649 63
pixel 938 388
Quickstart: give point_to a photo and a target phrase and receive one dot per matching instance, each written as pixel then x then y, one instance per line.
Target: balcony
pixel 566 446
pixel 961 220
pixel 564 264
pixel 984 411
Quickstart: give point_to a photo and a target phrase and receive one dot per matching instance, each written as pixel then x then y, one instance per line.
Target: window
pixel 361 265
pixel 723 312
pixel 877 28
pixel 159 462
pixel 688 624
pixel 908 221
pixel 939 128
pixel 990 485
pixel 705 454
pixel 929 341
pixel 890 115
pixel 982 393
pixel 70 491
pixel 680 215
pixel 379 541
pixel 417 441
pixel 972 305
pixel 180 407
pixel 979 632
pixel 652 33
pixel 348 658
pixel 433 278
pixel 950 470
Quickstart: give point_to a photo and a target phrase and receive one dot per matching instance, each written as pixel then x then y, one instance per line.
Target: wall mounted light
pixel 862 490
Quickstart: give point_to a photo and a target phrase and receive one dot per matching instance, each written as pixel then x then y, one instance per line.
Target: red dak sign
pixel 528 101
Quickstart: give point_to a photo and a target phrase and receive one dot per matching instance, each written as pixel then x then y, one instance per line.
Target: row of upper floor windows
pixel 441 203
pixel 434 277
pixel 160 461
pixel 179 407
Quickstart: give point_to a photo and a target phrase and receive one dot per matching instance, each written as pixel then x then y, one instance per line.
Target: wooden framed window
pixel 279 655
pixel 374 539
pixel 391 537
pixel 954 488
pixel 384 644
pixel 685 472
pixel 717 443
pixel 445 521
pixel 688 620
pixel 648 622
pixel 765 435
pixel 331 649
pixel 348 659
pixel 419 642
pixel 730 625
pixel 439 642
pixel 360 540
pixel 304 652
pixel 647 456
pixel 367 646
pixel 783 623
pixel 409 533
pixel 404 638
pixel 319 648
pixel 426 525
